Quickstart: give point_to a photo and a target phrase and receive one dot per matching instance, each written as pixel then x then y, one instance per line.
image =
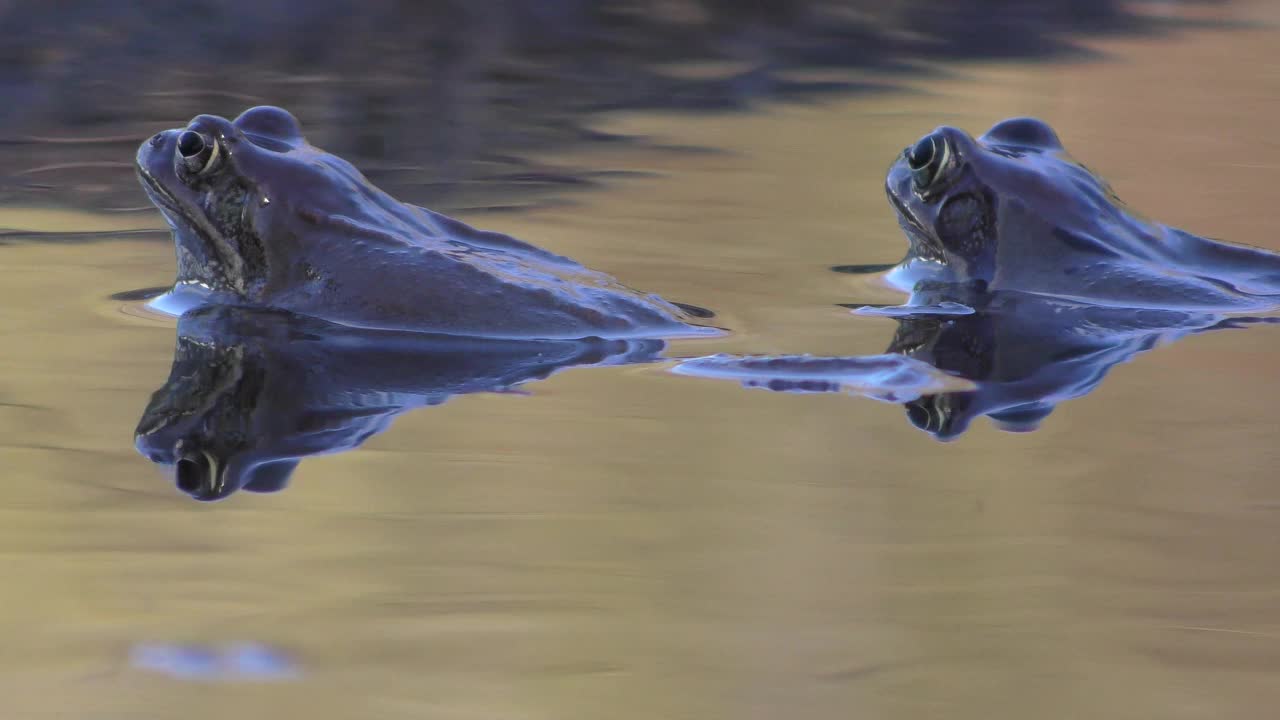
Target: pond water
pixel 620 541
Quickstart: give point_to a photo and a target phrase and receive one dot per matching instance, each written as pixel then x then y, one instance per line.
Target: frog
pixel 1011 210
pixel 252 391
pixel 260 217
pixel 1026 278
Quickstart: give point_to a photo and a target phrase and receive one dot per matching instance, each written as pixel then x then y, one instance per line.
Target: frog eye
pixel 927 159
pixel 197 153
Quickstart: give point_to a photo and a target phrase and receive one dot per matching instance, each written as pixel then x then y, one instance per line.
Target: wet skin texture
pixel 253 391
pixel 262 218
pixel 1027 278
pixel 1012 211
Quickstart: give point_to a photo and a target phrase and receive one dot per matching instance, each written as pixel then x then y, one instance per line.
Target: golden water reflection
pixel 629 544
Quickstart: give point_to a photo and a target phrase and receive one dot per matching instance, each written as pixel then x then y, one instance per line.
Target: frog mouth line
pixel 167 201
pixel 904 212
pixel 912 226
pixel 178 210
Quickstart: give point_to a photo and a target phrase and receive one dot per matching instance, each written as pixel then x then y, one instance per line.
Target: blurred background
pixel 619 541
pixel 432 96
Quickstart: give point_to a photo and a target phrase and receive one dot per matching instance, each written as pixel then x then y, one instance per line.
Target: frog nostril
pixel 157 139
pixel 190 144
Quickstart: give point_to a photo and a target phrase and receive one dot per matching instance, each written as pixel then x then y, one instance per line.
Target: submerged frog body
pixel 1011 211
pixel 260 217
pixel 253 391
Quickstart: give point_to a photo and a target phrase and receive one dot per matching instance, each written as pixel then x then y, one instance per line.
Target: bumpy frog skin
pixel 1011 211
pixel 262 218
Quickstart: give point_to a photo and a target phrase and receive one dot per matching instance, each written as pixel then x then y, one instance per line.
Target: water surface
pixel 627 543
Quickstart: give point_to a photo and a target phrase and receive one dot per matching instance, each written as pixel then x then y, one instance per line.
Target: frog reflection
pixel 1027 354
pixel 1013 358
pixel 252 392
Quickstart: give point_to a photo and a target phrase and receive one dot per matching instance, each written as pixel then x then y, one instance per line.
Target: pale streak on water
pixel 630 544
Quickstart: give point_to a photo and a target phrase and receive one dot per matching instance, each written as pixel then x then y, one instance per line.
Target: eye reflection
pixel 193 473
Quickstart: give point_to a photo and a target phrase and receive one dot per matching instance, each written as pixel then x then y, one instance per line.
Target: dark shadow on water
pixel 252 392
pixel 12 236
pixel 863 269
pixel 441 101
